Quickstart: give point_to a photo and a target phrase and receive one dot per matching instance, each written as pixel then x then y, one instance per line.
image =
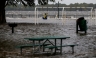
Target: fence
pixel 65 17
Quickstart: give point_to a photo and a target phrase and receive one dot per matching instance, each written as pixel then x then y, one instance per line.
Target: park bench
pixel 71 45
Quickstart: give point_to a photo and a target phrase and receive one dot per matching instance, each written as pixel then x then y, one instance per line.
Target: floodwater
pixel 86 42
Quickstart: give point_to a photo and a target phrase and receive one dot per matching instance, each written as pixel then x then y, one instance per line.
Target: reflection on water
pixel 87 44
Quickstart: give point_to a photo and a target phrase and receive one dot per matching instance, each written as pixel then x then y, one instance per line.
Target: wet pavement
pixel 86 42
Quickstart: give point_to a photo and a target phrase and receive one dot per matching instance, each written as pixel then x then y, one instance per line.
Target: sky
pixel 76 1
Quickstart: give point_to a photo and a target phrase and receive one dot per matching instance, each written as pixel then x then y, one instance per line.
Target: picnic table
pixel 52 45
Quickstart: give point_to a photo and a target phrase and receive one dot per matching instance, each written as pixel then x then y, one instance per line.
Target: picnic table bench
pixel 70 45
pixel 30 45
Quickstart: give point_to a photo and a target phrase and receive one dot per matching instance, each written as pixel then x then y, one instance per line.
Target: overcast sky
pixel 76 1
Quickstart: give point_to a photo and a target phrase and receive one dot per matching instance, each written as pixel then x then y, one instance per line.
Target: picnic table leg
pixel 33 46
pixel 39 45
pixel 72 49
pixel 21 51
pixel 49 42
pixel 43 44
pixel 61 47
pixel 55 46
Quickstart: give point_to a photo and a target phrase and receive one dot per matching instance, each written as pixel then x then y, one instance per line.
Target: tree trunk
pixel 2 12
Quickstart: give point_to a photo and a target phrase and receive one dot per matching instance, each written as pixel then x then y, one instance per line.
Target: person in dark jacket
pixel 81 22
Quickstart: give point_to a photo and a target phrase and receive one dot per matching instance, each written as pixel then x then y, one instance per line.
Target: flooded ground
pixel 86 42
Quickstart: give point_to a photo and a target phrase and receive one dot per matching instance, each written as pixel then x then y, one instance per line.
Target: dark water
pixel 86 42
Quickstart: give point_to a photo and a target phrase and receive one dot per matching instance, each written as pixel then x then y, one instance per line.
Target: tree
pixel 30 3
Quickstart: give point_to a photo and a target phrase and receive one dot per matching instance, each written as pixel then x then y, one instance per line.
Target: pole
pixel 58 9
pixel 12 29
pixel 35 15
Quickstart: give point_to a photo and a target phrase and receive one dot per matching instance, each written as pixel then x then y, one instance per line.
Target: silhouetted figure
pixel 81 22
